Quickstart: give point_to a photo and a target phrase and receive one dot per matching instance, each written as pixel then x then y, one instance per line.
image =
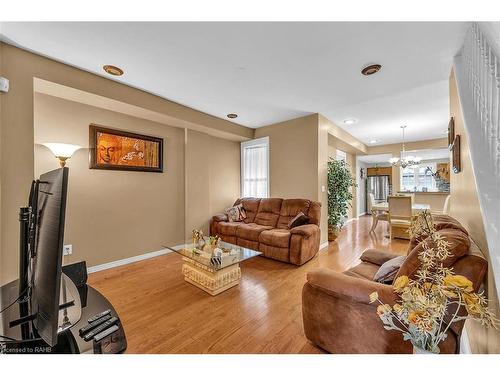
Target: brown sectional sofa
pixel 338 316
pixel 265 228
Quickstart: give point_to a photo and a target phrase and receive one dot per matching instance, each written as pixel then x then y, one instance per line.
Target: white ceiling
pixel 270 72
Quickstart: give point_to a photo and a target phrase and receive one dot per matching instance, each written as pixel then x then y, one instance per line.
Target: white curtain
pixel 254 168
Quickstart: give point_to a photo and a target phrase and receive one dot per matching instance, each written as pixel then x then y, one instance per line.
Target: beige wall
pixel 464 206
pixel 297 168
pixel 293 157
pixel 212 178
pixel 17 130
pixel 112 215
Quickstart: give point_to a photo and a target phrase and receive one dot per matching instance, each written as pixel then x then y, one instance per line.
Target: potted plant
pixel 429 304
pixel 340 182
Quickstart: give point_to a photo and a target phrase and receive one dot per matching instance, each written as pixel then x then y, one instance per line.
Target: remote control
pixel 97 316
pixel 105 333
pixel 88 336
pixel 94 324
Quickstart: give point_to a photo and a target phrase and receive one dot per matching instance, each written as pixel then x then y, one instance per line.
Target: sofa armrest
pixel 306 230
pixel 220 217
pixel 377 257
pixel 349 288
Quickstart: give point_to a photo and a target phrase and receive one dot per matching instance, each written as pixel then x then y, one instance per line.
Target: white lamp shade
pixel 393 160
pixel 65 150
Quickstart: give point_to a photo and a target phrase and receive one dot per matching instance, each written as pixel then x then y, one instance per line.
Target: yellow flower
pixel 472 303
pixel 373 297
pixel 383 309
pixel 412 316
pixel 450 294
pixel 397 308
pixel 458 281
pixel 401 283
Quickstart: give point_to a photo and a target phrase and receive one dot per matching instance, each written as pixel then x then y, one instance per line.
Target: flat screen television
pixel 48 252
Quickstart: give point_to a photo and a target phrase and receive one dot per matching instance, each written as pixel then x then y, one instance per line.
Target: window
pixel 341 155
pixel 419 178
pixel 255 168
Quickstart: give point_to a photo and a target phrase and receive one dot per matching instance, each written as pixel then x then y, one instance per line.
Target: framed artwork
pixel 120 150
pixel 455 153
pixel 451 132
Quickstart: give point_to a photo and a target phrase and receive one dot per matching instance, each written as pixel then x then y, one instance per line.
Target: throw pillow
pixel 298 220
pixel 388 270
pixel 243 213
pixel 236 213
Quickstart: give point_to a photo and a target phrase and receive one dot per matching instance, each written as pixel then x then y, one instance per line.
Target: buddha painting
pixel 120 150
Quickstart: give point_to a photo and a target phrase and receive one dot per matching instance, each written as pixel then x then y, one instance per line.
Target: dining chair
pixel 376 214
pixel 446 206
pixel 400 213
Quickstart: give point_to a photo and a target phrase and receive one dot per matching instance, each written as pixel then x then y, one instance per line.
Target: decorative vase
pixel 333 233
pixel 417 350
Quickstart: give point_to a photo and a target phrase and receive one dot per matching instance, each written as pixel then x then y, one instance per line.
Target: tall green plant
pixel 340 182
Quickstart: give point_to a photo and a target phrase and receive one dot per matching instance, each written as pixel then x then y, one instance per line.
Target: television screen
pixel 52 190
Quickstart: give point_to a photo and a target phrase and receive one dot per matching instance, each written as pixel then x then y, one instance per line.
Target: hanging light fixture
pixel 405 161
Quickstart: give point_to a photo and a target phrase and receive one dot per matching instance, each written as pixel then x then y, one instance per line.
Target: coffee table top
pixel 231 254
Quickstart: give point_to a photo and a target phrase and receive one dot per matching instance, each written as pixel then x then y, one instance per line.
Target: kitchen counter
pixel 435 199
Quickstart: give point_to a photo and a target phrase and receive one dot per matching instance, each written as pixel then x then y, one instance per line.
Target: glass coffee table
pixel 213 274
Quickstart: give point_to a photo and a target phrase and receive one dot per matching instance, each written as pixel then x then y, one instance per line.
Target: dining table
pixel 380 211
pixel 415 207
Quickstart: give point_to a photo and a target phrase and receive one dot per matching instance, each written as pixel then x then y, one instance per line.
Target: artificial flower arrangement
pixel 423 312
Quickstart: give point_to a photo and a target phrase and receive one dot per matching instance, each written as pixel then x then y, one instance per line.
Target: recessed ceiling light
pixel 373 141
pixel 113 70
pixel 371 69
pixel 232 115
pixel 350 121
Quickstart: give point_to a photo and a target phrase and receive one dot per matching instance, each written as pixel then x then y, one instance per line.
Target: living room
pixel 220 197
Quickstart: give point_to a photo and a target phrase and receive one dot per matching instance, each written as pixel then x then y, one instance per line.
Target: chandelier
pixel 405 161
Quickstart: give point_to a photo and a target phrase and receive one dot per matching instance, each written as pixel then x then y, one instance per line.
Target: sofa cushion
pixel 290 208
pixel 254 245
pixel 269 211
pixel 314 213
pixel 440 222
pixel 459 246
pixel 251 231
pixel 377 257
pixel 363 270
pixel 275 237
pixel 251 206
pixel 273 252
pixel 228 229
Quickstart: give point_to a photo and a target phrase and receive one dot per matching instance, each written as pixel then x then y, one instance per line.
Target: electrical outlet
pixel 67 249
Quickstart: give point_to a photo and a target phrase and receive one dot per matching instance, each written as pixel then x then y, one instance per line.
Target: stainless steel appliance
pixel 379 187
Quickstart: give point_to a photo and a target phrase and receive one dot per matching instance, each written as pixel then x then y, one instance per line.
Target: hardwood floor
pixel 161 313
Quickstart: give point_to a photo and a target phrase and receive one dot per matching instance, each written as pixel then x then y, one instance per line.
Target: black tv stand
pixel 69 341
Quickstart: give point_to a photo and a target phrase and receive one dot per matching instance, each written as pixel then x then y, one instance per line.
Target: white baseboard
pixel 465 343
pixel 121 262
pixel 323 245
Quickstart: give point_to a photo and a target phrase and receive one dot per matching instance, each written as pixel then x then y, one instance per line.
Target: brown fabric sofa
pixel 265 228
pixel 336 310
